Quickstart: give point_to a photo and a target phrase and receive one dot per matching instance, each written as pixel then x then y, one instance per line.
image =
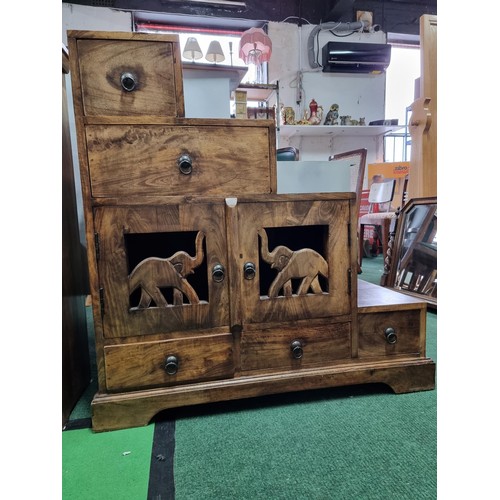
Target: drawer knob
pixel 249 270
pixel 218 273
pixel 185 164
pixel 390 335
pixel 128 82
pixel 297 350
pixel 171 365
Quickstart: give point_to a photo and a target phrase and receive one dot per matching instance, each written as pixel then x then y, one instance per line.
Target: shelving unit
pixel 259 91
pixel 334 130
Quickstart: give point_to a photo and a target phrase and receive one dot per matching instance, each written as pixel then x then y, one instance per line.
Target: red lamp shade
pixel 255 46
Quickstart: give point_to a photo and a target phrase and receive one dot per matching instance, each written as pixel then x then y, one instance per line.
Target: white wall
pixel 358 95
pixel 83 17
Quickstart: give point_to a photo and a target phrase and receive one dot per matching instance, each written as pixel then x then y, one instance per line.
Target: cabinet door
pixel 295 259
pixel 162 269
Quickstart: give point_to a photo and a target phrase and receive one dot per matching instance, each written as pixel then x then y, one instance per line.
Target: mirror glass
pixel 413 269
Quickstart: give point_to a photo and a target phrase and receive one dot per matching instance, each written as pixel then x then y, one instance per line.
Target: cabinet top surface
pixel 370 295
pixel 122 35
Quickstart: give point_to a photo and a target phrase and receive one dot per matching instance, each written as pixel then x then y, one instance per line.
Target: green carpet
pixel 106 466
pixel 352 446
pixel 347 443
pixel 354 443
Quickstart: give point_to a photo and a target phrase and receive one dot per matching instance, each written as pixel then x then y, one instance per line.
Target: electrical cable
pixel 342 36
pixel 296 17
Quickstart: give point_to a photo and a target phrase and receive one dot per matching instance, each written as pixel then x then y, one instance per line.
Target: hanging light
pixel 255 48
pixel 192 49
pixel 214 52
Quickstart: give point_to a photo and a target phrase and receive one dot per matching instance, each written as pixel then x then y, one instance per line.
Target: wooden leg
pixel 361 237
pixel 385 236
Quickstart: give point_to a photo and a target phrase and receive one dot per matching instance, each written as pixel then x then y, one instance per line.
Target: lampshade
pixel 255 46
pixel 192 49
pixel 214 52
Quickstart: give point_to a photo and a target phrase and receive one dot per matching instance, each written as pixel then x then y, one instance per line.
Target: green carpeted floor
pixel 358 442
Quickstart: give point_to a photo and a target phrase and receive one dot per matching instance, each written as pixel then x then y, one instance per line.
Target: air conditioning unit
pixel 348 57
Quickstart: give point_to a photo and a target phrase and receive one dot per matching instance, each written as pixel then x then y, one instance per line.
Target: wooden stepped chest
pixel 206 285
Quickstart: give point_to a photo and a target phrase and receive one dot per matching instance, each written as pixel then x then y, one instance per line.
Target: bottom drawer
pixel 168 362
pixel 293 348
pixel 390 333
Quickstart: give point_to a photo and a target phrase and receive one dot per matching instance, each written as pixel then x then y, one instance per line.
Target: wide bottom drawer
pixel 295 347
pixel 168 362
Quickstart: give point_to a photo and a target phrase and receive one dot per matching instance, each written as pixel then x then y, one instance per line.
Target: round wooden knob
pixel 297 349
pixel 390 335
pixel 128 82
pixel 171 365
pixel 185 164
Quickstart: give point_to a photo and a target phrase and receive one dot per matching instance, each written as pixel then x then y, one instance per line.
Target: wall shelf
pixel 335 130
pixel 234 74
pixel 258 91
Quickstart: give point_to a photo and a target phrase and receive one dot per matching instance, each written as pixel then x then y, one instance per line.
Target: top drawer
pixel 130 77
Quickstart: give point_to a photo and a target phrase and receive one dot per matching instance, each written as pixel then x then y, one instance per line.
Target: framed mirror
pixel 411 266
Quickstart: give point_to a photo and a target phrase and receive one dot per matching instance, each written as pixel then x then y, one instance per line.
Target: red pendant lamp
pixel 255 46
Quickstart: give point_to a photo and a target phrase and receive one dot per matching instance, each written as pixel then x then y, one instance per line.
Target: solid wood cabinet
pixel 207 285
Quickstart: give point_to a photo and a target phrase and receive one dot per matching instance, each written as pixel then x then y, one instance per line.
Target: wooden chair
pixel 357 177
pixel 381 194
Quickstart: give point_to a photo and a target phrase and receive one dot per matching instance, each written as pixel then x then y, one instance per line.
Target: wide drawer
pixel 295 348
pixel 130 77
pixel 169 362
pixel 147 160
pixel 390 333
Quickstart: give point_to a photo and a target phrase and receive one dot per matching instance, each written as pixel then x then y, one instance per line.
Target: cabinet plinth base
pixel 135 409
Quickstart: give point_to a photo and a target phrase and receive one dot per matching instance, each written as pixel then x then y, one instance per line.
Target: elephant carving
pixel 305 264
pixel 154 273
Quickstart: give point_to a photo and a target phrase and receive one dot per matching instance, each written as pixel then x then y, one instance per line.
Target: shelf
pixel 233 74
pixel 335 130
pixel 258 91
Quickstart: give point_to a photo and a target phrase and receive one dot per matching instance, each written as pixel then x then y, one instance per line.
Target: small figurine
pixel 345 120
pixel 362 121
pixel 316 113
pixel 332 116
pixel 287 115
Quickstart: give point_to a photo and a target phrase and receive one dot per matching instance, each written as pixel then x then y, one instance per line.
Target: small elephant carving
pixel 154 273
pixel 305 264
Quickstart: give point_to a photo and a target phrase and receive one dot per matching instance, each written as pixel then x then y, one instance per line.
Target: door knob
pixel 249 270
pixel 218 273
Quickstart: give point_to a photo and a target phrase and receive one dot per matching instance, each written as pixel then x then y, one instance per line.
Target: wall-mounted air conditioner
pixel 348 57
